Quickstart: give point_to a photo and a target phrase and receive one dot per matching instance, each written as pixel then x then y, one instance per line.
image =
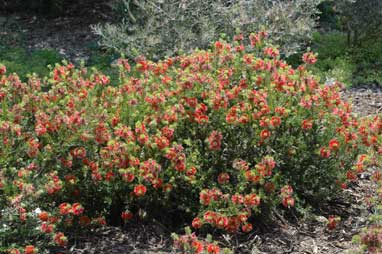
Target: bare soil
pixel 70 34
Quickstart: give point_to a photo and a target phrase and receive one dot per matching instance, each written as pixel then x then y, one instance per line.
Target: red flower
pixel 197 246
pixel 197 223
pixel 219 45
pixel 84 220
pixel 47 228
pixel 265 134
pixel 128 177
pixel 275 121
pixel 167 132
pixel 43 216
pixel 306 125
pixel 191 171
pixel 247 227
pixel 14 251
pixel 309 58
pixel 334 144
pixel 77 209
pixel 204 197
pixel 214 140
pixel 288 202
pixel 237 199
pixel 271 52
pixel 213 249
pixel 251 200
pixel 223 178
pixel 157 182
pixel 100 221
pixel 209 216
pixel 324 152
pixel 162 142
pixel 40 129
pixel 79 152
pixel 30 249
pixel 351 176
pixel 127 215
pixel 3 69
pixel 221 222
pixel 333 221
pixel 60 239
pixel 64 208
pixel 140 190
pixel 269 187
pixel 287 190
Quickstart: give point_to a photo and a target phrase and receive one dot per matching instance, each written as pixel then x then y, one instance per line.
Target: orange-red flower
pixel 65 208
pixel 251 200
pixel 214 140
pixel 140 190
pixel 333 221
pixel 288 202
pixel 306 124
pixel 77 209
pixel 127 215
pixel 213 249
pixel 14 251
pixel 223 178
pixel 334 144
pixel 309 58
pixel 197 223
pixel 197 246
pixel 247 227
pixel 30 249
pixel 47 228
pixel 264 134
pixel 3 69
pixel 324 152
pixel 60 239
pixel 43 216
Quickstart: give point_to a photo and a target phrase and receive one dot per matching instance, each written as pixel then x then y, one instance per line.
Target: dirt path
pixel 70 34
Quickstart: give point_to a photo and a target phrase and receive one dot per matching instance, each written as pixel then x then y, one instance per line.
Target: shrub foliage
pixel 213 137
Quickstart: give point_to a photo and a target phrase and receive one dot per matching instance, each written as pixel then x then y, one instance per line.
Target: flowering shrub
pixel 215 136
pixel 369 240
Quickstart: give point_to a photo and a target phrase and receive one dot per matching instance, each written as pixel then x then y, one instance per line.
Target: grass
pixel 19 61
pixel 349 64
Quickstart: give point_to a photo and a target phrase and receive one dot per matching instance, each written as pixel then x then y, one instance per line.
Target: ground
pixel 71 36
pixel 70 33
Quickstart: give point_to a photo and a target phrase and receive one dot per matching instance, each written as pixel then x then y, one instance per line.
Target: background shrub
pixel 350 34
pixel 163 28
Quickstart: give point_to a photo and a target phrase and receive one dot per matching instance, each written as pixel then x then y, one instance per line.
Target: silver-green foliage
pixel 156 28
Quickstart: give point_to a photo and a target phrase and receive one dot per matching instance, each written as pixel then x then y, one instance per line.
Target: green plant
pixel 158 28
pixel 334 59
pixel 18 60
pixel 361 19
pixel 210 138
pixel 367 57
